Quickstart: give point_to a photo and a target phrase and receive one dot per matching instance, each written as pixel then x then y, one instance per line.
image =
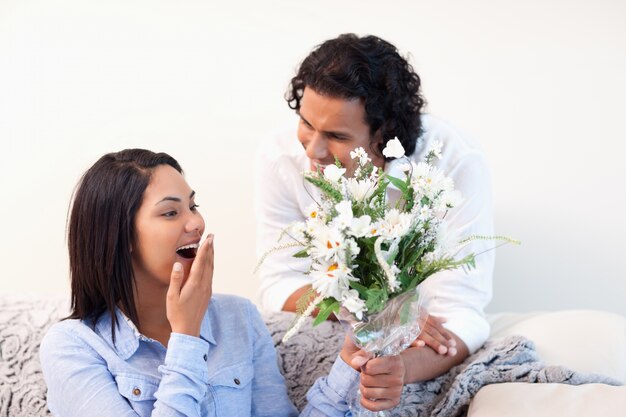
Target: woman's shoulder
pixel 233 320
pixel 67 335
pixel 68 327
pixel 227 306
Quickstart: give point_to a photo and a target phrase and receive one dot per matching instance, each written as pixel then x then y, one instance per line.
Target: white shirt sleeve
pixel 277 199
pixel 460 295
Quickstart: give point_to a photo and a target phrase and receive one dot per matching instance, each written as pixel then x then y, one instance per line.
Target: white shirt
pixel 282 197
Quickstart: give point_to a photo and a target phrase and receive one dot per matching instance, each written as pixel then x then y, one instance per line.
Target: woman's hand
pixel 188 300
pixel 435 336
pixel 382 378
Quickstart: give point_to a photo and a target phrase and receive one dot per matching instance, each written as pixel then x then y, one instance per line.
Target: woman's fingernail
pixel 452 351
pixel 452 342
pixel 421 343
pixel 210 239
pixel 442 349
pixel 178 266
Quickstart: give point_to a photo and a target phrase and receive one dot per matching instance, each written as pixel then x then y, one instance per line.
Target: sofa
pixel 587 342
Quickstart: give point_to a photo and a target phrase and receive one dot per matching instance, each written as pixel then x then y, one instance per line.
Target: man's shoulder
pixel 455 141
pixel 281 142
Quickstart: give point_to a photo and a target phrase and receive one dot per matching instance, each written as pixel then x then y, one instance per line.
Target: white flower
pixel 406 167
pixel 394 149
pixel 361 155
pixel 447 240
pixel 423 212
pixel 333 173
pixel 296 230
pixel 351 301
pixel 314 211
pixel 354 250
pixel 360 190
pixel 394 284
pixel 449 200
pixel 327 241
pixel 435 149
pixel 431 182
pixel 331 279
pixel 374 229
pixel 313 225
pixel 344 214
pixel 360 226
pixel 395 224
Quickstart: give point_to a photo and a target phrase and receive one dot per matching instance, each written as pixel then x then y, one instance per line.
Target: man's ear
pixel 377 142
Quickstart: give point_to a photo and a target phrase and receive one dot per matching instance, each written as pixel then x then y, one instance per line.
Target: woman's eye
pixel 194 207
pixel 170 213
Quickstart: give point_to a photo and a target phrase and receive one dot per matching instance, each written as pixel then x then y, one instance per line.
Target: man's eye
pixel 336 137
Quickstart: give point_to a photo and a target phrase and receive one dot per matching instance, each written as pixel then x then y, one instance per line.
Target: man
pixel 359 92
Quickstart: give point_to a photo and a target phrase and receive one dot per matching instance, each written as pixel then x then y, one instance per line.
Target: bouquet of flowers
pixel 367 251
pixel 369 254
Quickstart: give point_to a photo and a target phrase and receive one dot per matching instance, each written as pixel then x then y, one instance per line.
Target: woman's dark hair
pixel 101 233
pixel 372 70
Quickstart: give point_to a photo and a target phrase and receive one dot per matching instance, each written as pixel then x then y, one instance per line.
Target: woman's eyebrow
pixel 176 199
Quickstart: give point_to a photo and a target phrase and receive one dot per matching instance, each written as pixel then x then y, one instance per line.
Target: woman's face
pixel 168 227
pixel 332 127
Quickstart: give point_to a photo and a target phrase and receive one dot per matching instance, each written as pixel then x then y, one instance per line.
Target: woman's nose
pixel 195 223
pixel 316 149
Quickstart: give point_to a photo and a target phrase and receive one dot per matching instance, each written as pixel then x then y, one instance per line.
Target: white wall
pixel 540 83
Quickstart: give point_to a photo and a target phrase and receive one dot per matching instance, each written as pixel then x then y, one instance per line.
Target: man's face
pixel 332 127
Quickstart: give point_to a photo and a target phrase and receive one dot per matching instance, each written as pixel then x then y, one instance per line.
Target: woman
pixel 146 336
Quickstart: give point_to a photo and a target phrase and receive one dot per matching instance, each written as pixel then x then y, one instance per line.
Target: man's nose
pixel 317 149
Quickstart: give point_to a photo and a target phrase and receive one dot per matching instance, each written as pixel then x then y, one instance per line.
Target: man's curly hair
pixel 371 69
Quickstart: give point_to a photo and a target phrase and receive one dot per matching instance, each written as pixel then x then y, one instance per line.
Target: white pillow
pixel 520 399
pixel 582 340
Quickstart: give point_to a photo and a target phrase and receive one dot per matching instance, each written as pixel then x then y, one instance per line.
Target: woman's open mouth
pixel 188 251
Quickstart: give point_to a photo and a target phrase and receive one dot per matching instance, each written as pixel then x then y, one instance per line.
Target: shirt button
pixel 237 382
pixel 205 357
pixel 136 391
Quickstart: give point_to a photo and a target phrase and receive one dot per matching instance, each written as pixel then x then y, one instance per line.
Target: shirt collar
pixel 206 331
pixel 127 336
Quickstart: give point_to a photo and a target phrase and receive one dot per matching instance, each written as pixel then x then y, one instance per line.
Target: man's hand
pixel 435 336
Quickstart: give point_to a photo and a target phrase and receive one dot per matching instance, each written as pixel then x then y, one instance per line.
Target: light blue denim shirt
pixel 229 371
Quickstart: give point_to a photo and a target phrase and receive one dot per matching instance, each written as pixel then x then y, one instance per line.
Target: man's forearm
pixel 290 304
pixel 423 363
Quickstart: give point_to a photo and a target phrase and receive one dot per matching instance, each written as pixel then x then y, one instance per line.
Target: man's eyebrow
pixel 175 199
pixel 327 132
pixel 305 120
